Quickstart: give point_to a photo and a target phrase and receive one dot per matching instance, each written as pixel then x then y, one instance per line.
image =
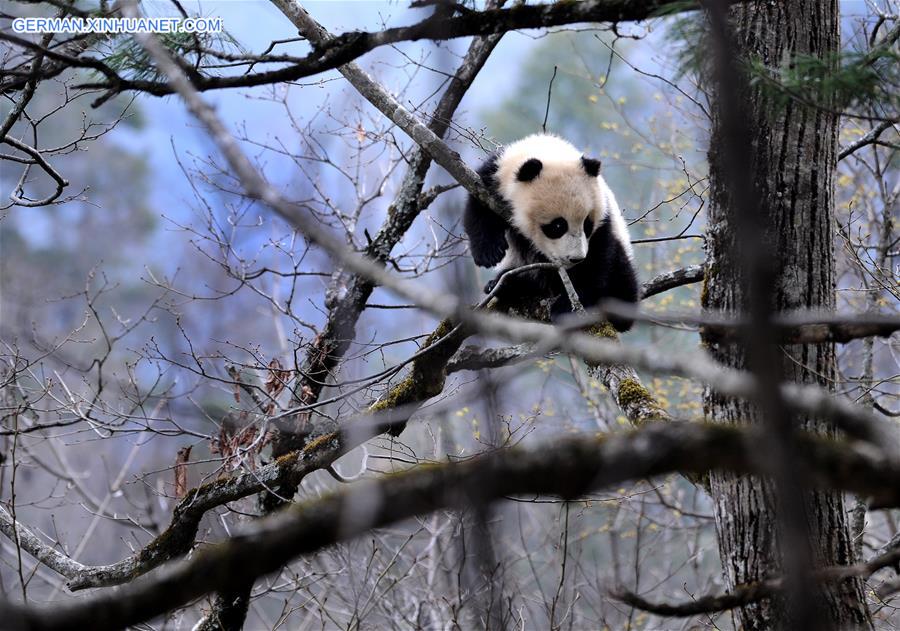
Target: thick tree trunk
pixel 793 159
pixel 229 610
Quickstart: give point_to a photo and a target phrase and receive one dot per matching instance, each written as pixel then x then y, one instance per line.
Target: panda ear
pixel 529 170
pixel 591 166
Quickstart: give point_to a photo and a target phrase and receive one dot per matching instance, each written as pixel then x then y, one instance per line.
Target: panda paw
pixel 489 287
pixel 489 254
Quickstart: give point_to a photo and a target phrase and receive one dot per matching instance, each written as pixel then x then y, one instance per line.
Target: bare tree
pixel 791 265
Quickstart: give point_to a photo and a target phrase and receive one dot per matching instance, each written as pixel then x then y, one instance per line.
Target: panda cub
pixel 560 211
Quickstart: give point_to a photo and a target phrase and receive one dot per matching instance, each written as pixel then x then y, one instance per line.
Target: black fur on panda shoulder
pixel 607 272
pixel 485 228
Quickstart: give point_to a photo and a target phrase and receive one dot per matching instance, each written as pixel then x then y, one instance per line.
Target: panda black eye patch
pixel 556 228
pixel 588 227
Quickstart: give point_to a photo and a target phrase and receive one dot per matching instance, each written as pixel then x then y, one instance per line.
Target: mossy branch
pixel 427 375
pixel 569 469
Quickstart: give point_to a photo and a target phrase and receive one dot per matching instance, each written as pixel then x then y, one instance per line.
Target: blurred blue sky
pixel 255 23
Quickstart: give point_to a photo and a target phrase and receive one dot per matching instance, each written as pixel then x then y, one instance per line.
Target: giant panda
pixel 560 211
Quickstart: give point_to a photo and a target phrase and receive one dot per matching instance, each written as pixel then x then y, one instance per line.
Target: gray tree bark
pixel 794 155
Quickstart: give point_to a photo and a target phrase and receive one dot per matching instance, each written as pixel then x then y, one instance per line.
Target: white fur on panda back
pixel 617 221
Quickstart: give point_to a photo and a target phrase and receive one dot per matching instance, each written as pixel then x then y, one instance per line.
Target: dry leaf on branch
pixel 275 382
pixel 181 474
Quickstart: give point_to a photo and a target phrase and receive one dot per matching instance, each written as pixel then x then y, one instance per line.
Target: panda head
pixel 554 195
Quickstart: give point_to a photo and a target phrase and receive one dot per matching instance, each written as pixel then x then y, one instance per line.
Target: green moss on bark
pixel 401 394
pixel 633 393
pixel 315 443
pixel 604 330
pixel 441 331
pixel 704 287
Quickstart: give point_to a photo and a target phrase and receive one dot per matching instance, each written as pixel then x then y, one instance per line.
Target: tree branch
pixel 571 468
pixel 425 138
pixel 474 358
pixel 746 594
pixel 671 280
pixel 35 546
pixel 870 137
pixel 346 47
pixel 839 329
pixel 801 327
pixel 330 346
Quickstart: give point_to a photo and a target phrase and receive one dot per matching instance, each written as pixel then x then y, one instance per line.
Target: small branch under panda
pixel 475 358
pixel 577 307
pixel 622 381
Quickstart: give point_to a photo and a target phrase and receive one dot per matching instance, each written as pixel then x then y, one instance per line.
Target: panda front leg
pixel 560 308
pixel 512 283
pixel 511 260
pixel 624 286
pixel 618 282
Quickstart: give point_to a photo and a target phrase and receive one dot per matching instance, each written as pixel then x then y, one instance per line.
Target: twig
pixel 868 138
pixel 549 94
pixel 746 594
